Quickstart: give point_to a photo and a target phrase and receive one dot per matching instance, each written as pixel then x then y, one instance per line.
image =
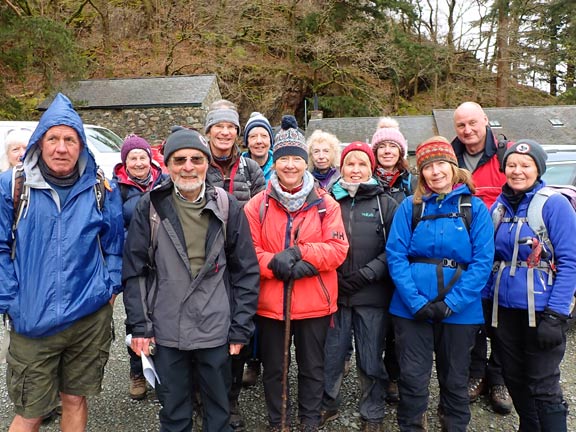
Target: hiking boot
pixel 372 427
pixel 236 421
pixel 326 416
pixel 137 387
pixel 304 427
pixel 250 375
pixel 500 399
pixel 347 365
pixel 476 387
pixel 392 393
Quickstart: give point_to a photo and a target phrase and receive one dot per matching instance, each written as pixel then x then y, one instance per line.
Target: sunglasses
pixel 181 160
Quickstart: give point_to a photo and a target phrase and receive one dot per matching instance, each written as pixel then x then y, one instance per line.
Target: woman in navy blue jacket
pixel 439 265
pixel 532 288
pixel 137 174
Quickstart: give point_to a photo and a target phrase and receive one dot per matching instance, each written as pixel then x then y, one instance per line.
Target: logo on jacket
pixel 338 235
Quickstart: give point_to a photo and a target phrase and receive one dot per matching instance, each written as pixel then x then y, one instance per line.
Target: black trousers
pixel 416 344
pixel 390 357
pixel 309 337
pixel 176 369
pixel 532 375
pixel 482 366
pixel 247 353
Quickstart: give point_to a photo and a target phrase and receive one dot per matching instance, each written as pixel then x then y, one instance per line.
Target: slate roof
pixel 515 123
pixel 414 128
pixel 523 122
pixel 122 93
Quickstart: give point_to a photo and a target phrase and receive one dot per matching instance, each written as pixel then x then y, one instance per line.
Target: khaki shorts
pixel 70 362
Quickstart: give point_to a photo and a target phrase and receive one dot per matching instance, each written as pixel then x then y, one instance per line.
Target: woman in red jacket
pixel 300 241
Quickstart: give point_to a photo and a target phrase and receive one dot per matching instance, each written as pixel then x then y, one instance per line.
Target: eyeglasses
pixel 181 160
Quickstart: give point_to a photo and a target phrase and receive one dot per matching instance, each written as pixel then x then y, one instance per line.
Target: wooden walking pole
pixel 284 427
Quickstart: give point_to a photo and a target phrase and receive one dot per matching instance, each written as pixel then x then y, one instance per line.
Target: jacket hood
pixel 60 112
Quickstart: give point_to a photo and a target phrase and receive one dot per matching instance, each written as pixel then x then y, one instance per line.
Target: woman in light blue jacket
pixel 440 252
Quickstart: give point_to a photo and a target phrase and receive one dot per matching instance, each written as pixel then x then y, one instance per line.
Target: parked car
pixel 561 164
pixel 103 143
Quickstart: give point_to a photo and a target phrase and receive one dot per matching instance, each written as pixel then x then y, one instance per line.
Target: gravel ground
pixel 114 411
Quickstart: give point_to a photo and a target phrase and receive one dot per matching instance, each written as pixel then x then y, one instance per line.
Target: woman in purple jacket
pixel 531 288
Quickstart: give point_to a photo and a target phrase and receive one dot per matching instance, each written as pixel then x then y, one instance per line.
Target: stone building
pixel 144 106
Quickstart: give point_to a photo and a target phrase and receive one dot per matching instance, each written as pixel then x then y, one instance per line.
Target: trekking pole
pixel 284 422
pixel 286 360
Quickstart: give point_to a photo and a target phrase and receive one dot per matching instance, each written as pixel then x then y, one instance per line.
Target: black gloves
pixel 424 313
pixel 550 330
pixel 281 264
pixel 440 311
pixel 437 312
pixel 355 281
pixel 344 287
pixel 303 269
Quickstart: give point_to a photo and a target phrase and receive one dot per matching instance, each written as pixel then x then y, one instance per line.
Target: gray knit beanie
pixel 222 115
pixel 182 138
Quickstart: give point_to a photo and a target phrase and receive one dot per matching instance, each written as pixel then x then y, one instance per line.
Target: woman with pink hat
pixel 390 150
pixel 393 173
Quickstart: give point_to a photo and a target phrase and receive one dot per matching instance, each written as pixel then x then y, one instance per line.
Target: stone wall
pixel 152 124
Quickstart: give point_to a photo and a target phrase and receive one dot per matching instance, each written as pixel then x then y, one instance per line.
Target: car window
pixel 560 174
pixel 104 140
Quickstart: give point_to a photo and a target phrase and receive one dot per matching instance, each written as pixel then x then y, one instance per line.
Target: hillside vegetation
pixel 359 58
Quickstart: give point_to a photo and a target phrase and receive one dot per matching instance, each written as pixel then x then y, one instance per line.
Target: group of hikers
pixel 229 258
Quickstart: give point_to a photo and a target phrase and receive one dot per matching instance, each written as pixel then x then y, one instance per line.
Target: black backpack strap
pixel 464 212
pixel 501 147
pixel 465 209
pixel 417 212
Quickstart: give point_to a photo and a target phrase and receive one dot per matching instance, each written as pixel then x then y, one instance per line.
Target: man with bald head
pixel 476 149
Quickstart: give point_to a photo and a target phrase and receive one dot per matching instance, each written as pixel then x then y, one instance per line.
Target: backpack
pixel 501 147
pixel 21 195
pixel 405 185
pixel 534 216
pixel 264 204
pixel 464 212
pixel 535 221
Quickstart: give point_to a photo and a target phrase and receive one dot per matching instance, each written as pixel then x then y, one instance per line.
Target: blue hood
pixel 60 112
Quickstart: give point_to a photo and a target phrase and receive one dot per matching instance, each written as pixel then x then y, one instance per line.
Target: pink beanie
pixel 392 135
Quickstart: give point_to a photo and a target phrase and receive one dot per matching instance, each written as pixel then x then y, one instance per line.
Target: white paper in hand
pixel 149 370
